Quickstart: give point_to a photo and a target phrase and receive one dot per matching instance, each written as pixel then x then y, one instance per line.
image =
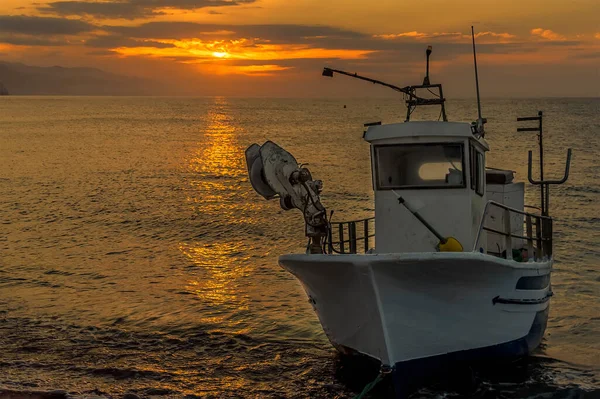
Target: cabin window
pixel 473 167
pixel 477 172
pixel 419 166
pixel 479 189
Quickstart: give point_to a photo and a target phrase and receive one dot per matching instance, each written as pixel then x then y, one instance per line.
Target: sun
pixel 220 54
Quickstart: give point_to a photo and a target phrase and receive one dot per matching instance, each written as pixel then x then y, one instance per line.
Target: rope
pixel 369 386
pixel 385 370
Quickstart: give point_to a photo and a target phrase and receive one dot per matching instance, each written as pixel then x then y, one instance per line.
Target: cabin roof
pixel 421 129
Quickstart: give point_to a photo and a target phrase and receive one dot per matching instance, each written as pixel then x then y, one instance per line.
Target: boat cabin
pixel 432 188
pixel 438 168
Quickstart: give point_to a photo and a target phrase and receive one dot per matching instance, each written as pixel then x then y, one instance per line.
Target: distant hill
pixel 31 80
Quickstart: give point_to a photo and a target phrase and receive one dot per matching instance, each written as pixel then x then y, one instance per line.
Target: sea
pixel 137 261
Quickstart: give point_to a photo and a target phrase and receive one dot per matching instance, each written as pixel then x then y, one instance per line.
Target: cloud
pixel 444 35
pixel 269 49
pixel 275 33
pixel 248 70
pixel 495 35
pixel 26 25
pixel 547 34
pixel 131 9
pixel 101 53
pixel 203 51
pixel 113 41
pixel 26 40
pixel 412 34
pixel 418 35
pixel 101 10
pixel 188 42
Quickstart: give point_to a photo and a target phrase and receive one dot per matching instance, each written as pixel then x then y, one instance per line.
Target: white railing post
pixel 529 228
pixel 508 232
pixel 536 245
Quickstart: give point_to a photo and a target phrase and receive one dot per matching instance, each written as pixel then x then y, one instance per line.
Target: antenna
pixel 480 120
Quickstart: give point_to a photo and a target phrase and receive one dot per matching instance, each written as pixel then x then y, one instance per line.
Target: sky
pixel 526 48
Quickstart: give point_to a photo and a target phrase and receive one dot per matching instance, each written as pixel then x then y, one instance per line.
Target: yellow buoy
pixel 450 244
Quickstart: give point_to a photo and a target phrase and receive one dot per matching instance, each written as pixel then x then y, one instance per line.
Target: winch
pixel 275 173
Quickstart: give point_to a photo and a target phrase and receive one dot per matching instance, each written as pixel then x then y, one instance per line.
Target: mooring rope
pixel 385 370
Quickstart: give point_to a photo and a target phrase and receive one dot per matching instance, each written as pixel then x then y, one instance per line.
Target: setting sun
pixel 220 54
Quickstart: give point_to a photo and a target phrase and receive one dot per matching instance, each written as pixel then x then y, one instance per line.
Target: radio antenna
pixel 480 120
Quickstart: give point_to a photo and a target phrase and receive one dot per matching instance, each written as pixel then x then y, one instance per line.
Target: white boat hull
pixel 401 308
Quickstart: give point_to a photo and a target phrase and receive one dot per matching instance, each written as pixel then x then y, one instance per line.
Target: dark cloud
pixel 131 9
pixel 103 10
pixel 312 35
pixel 21 24
pixel 271 33
pixel 25 40
pixel 101 53
pixel 114 41
pixel 387 53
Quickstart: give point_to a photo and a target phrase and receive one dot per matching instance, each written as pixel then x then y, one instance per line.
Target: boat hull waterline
pixel 417 308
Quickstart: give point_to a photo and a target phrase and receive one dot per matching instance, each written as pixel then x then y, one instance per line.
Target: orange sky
pixel 278 47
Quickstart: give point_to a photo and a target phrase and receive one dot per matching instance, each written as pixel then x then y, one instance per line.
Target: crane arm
pixel 406 90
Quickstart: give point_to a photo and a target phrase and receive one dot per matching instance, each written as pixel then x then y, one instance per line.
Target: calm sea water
pixel 135 257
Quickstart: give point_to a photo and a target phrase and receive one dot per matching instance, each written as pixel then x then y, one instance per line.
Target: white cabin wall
pixel 397 230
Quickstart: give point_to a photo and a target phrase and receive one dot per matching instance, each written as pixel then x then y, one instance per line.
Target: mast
pixel 480 120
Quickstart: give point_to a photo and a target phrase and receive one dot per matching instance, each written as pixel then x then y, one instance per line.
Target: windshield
pixel 419 166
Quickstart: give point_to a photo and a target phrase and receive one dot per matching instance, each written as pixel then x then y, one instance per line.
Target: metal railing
pixel 538 245
pixel 340 230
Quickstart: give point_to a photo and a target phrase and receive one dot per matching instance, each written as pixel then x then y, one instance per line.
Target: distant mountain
pixel 31 80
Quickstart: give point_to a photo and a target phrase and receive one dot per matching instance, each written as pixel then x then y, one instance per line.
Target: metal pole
pixel 366 231
pixel 426 80
pixel 444 117
pixel 476 76
pixel 542 189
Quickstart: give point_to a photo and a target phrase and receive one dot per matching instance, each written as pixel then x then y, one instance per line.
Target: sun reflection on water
pixel 221 265
pixel 219 154
pixel 221 269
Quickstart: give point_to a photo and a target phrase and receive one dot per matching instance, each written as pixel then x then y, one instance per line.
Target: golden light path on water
pixel 216 159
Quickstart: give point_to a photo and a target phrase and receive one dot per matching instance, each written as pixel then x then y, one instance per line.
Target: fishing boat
pixel 451 268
